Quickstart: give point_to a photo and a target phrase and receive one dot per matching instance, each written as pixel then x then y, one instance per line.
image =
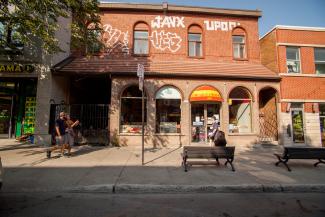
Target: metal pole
pixel 142 122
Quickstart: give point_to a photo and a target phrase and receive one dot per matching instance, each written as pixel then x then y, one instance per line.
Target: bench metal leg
pixel 217 159
pixel 230 162
pixel 319 161
pixel 184 163
pixel 284 162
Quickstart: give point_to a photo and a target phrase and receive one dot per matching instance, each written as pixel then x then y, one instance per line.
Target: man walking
pixel 60 130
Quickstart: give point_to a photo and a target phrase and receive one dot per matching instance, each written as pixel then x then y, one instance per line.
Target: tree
pixel 23 21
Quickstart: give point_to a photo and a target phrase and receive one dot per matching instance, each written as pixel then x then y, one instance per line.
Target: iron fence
pixel 94 121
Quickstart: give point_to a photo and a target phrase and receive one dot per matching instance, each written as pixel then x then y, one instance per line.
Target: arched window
pixel 240 115
pixel 168 110
pixel 140 39
pixel 195 41
pixel 239 43
pixel 131 110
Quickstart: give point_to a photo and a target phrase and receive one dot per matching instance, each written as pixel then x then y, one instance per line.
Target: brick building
pixel 198 63
pixel 297 54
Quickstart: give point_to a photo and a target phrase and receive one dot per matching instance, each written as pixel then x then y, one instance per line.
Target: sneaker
pixel 48 154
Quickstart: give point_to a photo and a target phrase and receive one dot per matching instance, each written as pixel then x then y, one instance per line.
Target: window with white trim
pixel 239 47
pixel 293 60
pixel 319 61
pixel 168 110
pixel 194 44
pixel 141 43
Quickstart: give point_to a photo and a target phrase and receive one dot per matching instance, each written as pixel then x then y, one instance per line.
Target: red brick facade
pixel 300 91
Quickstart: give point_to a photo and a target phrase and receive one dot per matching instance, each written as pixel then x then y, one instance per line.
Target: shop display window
pixel 131 110
pixel 240 115
pixel 168 111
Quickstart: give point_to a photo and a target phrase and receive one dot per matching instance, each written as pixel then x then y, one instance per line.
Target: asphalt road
pixel 161 205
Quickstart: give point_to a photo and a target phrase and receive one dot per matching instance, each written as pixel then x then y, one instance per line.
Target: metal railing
pixel 93 118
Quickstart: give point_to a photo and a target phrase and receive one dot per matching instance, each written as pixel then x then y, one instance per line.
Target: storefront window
pixel 297 122
pixel 322 122
pixel 293 60
pixel 240 115
pixel 320 60
pixel 168 111
pixel 131 110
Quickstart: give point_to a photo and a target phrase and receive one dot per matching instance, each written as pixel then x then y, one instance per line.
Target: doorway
pixel 322 122
pixel 202 120
pixel 297 122
pixel 268 115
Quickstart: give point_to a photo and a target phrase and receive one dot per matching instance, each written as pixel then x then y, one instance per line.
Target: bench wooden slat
pixel 207 152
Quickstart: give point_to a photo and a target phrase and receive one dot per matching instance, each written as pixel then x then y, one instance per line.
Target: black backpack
pixel 220 138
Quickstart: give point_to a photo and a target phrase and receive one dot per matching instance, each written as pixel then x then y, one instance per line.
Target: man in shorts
pixel 61 137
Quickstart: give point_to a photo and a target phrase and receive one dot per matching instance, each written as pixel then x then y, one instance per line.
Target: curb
pixel 170 189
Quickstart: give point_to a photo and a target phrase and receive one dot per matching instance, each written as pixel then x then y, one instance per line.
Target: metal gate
pixel 93 118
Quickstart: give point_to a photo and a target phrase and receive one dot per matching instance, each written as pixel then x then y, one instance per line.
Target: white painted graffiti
pixel 162 41
pixel 219 25
pixel 167 21
pixel 115 38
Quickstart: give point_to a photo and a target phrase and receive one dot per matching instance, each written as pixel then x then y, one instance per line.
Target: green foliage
pixel 29 20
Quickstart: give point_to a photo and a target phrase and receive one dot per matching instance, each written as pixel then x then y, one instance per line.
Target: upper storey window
pixel 293 60
pixel 195 41
pixel 320 60
pixel 239 47
pixel 239 43
pixel 141 43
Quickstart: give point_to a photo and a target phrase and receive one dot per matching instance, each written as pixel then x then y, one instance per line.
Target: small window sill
pixel 168 134
pixel 240 59
pixel 242 134
pixel 132 134
pixel 196 57
pixel 140 55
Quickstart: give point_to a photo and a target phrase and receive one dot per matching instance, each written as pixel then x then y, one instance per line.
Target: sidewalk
pixel 119 170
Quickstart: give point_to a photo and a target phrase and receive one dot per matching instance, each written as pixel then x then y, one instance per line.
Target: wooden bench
pixel 301 153
pixel 199 152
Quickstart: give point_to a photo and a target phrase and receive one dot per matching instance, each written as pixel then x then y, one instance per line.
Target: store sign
pixel 18 68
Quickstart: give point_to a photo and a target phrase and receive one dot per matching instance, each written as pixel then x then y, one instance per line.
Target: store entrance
pixel 6 103
pixel 202 120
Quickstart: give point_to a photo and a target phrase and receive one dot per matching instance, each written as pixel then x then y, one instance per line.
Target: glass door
pixel 202 120
pixel 297 125
pixel 198 123
pixel 5 115
pixel 322 122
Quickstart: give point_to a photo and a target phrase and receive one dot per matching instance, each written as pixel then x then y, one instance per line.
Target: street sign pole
pixel 140 73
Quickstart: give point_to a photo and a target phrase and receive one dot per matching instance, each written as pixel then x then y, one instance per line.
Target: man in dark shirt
pixel 60 128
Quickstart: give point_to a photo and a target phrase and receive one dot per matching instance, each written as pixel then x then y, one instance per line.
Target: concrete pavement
pixel 119 170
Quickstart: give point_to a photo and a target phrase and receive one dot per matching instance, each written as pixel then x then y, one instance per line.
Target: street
pixel 156 205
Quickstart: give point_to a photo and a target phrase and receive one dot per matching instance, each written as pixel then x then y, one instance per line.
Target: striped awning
pixel 206 93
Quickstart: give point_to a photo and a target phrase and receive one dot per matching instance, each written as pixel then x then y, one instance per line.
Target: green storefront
pixel 18 85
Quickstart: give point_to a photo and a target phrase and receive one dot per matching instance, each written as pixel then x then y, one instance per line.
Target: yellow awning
pixel 205 93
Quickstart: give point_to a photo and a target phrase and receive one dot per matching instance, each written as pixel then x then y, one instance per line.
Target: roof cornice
pixel 178 8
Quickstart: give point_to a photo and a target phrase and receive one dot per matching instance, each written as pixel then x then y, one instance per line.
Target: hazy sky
pixel 274 12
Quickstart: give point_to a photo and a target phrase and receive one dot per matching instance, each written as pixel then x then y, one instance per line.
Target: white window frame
pixel 299 69
pixel 322 62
